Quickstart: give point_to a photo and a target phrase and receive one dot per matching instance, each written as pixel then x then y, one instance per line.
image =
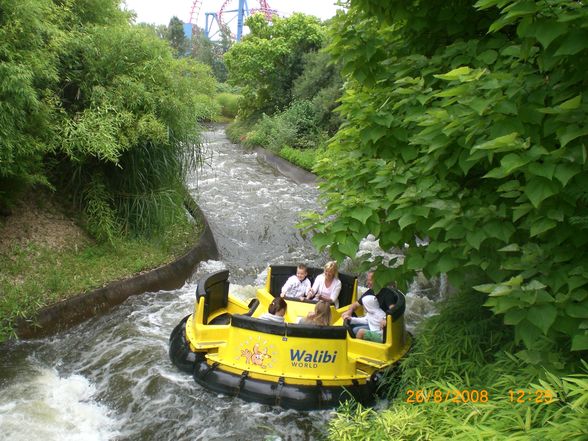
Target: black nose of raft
pixel 229 350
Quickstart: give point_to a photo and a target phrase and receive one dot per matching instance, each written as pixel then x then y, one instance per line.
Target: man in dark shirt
pixel 386 298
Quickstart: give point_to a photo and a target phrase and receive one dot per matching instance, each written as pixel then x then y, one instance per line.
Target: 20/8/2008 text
pixel 417 396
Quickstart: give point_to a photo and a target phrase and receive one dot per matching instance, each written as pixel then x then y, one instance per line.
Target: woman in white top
pixel 297 286
pixel 326 286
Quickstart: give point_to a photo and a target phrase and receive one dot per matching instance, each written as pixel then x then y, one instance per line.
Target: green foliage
pixel 88 99
pixel 229 103
pixel 295 127
pixel 129 122
pixel 354 422
pixel 210 53
pixel 266 62
pixel 305 158
pixel 457 352
pixel 473 137
pixel 321 84
pixel 238 129
pixel 27 75
pixel 176 37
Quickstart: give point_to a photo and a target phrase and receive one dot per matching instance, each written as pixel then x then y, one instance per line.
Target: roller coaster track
pixel 241 11
pixel 195 11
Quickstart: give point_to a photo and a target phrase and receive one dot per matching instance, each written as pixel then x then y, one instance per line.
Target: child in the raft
pixel 297 286
pixel 320 316
pixel 276 310
pixel 374 317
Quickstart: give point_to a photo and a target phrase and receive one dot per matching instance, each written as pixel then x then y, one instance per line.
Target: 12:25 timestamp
pixel 539 396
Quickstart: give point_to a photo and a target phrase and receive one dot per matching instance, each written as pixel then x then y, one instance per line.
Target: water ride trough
pixel 229 350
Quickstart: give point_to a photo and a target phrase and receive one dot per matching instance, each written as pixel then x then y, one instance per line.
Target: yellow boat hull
pixel 228 349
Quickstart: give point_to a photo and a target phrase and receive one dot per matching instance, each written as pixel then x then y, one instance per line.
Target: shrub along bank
pixel 100 110
pixel 290 87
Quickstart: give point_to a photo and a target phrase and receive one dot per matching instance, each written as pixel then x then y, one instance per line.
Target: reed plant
pixel 465 349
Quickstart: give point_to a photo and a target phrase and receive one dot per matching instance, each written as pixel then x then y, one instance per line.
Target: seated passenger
pixel 297 286
pixel 326 286
pixel 386 298
pixel 374 318
pixel 321 315
pixel 275 311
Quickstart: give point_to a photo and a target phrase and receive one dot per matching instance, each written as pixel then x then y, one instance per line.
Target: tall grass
pixel 465 348
pixel 305 158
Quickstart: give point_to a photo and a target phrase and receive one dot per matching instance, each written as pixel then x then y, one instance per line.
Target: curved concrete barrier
pixel 72 311
pixel 299 175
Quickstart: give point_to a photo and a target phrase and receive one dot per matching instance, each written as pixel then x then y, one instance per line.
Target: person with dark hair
pixel 387 298
pixel 296 286
pixel 276 310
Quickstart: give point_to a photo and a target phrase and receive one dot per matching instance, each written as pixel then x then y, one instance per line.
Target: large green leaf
pixel 475 237
pixel 538 189
pixel 500 290
pixel 572 103
pixel 321 240
pixel 514 316
pixel 361 213
pixel 544 30
pixel 566 171
pixel 446 263
pixel 455 74
pixel 542 316
pixel 542 225
pixel 575 42
pixel 580 342
pixel 528 332
pixel 577 310
pixel 568 133
pixel 502 143
pixel 513 161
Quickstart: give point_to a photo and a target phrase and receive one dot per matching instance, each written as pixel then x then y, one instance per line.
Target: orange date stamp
pixel 417 396
pixel 462 396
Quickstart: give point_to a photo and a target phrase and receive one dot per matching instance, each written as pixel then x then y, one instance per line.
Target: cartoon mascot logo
pixel 256 357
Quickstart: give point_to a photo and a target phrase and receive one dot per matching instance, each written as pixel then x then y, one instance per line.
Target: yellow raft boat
pixel 228 349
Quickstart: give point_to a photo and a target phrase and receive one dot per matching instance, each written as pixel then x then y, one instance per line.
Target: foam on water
pixel 47 407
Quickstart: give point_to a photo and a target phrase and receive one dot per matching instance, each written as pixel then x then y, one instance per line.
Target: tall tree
pixel 210 53
pixel 268 60
pixel 176 37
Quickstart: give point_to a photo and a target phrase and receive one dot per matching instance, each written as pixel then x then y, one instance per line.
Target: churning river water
pixel 110 378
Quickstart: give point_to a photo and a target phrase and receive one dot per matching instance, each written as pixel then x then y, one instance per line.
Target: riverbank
pixel 54 275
